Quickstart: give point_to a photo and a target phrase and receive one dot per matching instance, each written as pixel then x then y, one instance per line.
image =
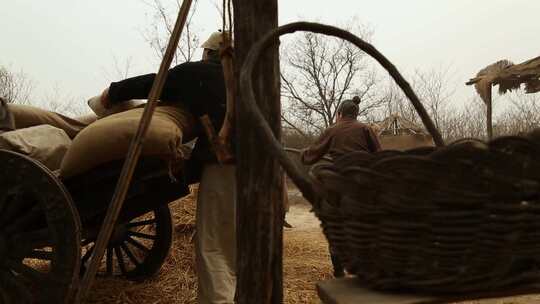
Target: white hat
pixel 213 42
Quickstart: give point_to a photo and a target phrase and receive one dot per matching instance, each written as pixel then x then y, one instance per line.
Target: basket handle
pixel 304 182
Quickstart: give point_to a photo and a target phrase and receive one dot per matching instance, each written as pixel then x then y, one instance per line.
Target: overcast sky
pixel 73 44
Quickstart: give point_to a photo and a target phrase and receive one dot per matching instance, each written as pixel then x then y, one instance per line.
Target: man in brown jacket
pixel 345 136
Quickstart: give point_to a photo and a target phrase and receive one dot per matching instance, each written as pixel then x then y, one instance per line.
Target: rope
pixel 227 61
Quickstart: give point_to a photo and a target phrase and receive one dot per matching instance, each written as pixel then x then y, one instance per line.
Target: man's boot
pixel 7 123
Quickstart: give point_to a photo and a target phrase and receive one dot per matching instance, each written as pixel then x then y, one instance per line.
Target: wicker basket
pixel 458 218
pixel 461 218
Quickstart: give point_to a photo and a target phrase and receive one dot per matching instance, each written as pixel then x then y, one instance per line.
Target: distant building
pixel 398 133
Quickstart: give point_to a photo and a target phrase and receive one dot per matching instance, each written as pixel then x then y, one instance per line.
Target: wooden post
pixel 489 114
pixel 260 209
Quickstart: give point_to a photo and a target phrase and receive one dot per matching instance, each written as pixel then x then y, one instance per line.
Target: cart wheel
pixel 138 248
pixel 39 234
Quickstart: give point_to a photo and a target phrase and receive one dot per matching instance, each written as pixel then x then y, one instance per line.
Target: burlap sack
pixel 109 138
pixel 29 116
pixel 44 143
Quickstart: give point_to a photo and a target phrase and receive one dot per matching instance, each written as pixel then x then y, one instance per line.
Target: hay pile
pixel 306 261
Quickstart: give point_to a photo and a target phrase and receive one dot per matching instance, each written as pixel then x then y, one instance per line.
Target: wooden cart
pixel 48 226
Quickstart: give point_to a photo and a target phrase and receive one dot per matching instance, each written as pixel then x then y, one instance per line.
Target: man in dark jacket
pixel 201 86
pixel 347 135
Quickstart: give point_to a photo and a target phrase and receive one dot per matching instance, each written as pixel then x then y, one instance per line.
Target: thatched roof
pixel 508 77
pixel 397 125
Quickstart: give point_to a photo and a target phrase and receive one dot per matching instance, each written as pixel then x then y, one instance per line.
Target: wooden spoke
pixel 130 255
pixel 142 235
pixel 134 255
pixel 137 244
pixel 87 255
pixel 141 223
pixel 120 259
pixel 24 221
pixel 109 261
pixel 38 223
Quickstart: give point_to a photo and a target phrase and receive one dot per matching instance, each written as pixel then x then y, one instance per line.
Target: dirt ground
pixel 306 261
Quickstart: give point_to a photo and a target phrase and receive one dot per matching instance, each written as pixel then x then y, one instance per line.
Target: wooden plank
pixel 349 291
pixel 260 209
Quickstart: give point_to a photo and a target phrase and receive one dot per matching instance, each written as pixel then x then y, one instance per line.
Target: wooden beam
pixel 260 208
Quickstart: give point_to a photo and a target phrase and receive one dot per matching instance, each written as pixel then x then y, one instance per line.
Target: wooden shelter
pixel 398 133
pixel 508 77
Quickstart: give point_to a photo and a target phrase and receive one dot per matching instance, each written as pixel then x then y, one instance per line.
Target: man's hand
pixel 105 102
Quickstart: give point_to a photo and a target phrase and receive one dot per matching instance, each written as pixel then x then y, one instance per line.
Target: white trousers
pixel 216 235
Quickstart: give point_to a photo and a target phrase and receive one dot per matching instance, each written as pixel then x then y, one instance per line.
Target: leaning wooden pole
pixel 260 209
pixel 489 114
pixel 132 156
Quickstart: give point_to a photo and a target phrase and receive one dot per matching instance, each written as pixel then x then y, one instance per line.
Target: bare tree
pixel 120 69
pixel 521 115
pixel 292 138
pixel 396 103
pixel 161 27
pixel 468 121
pixel 18 87
pixel 318 73
pixel 15 87
pixel 435 88
pixel 57 100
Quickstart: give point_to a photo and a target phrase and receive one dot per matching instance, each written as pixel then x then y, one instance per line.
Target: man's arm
pixel 131 88
pixel 317 150
pixel 373 141
pixel 139 87
pixel 198 85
